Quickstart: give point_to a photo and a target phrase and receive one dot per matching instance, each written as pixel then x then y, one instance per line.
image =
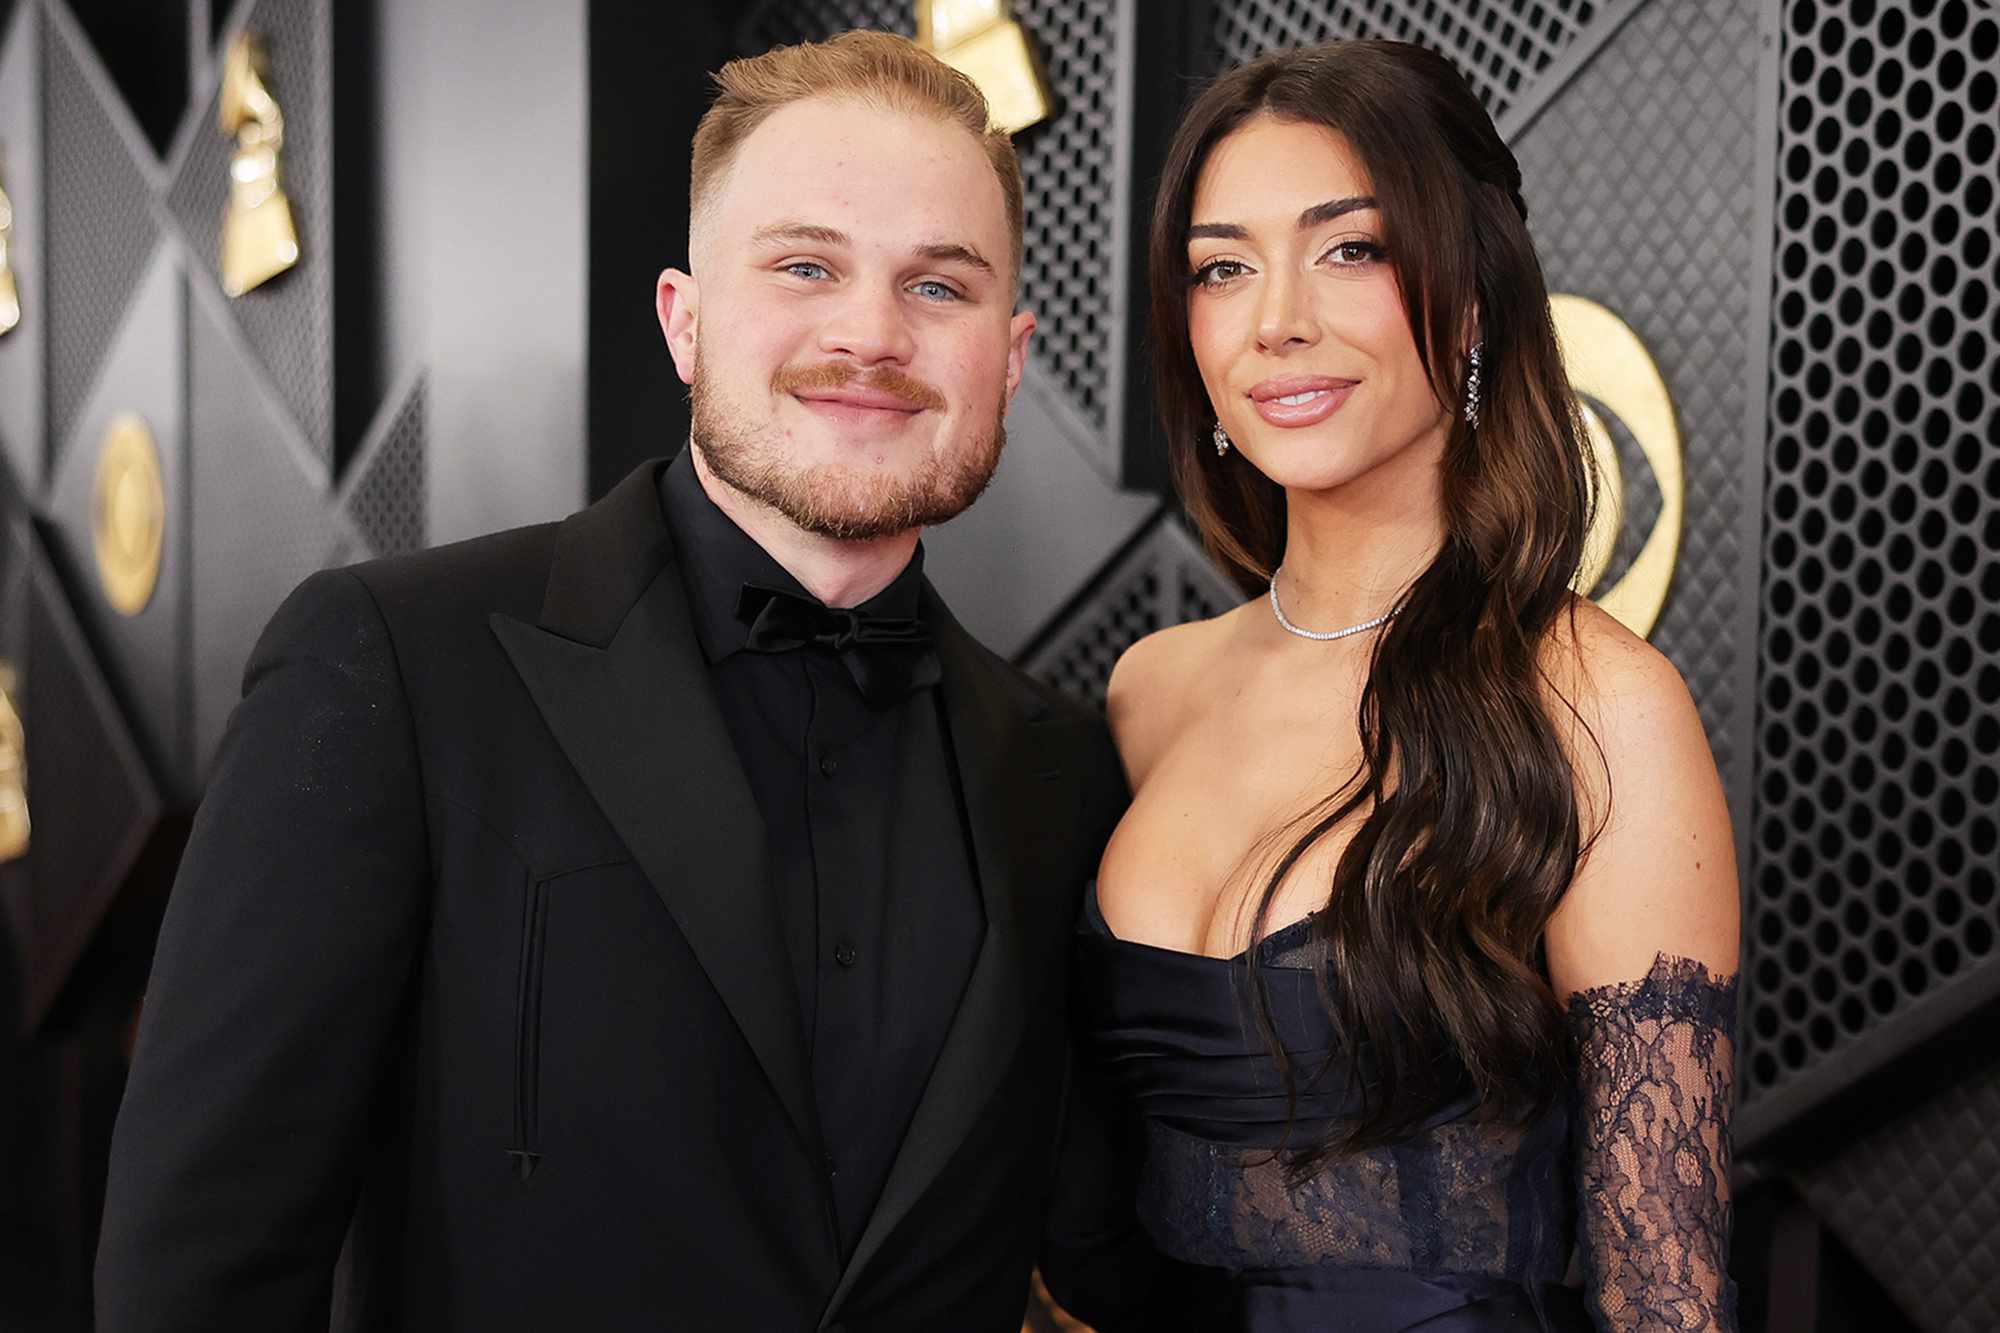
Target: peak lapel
pixel 986 723
pixel 625 691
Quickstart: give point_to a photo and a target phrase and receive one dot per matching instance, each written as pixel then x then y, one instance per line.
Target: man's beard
pixel 844 501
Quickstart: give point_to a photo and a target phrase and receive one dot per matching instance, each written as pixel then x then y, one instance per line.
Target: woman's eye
pixel 805 268
pixel 932 290
pixel 1350 254
pixel 1216 272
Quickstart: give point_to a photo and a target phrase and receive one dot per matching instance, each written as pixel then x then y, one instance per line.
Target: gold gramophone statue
pixel 259 240
pixel 13 771
pixel 981 40
pixel 10 296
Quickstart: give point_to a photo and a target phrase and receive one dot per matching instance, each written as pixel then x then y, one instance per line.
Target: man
pixel 608 923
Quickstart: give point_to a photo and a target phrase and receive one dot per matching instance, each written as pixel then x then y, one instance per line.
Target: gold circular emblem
pixel 1608 364
pixel 128 514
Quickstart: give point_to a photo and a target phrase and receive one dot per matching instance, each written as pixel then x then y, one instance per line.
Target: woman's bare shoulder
pixel 1660 876
pixel 1157 681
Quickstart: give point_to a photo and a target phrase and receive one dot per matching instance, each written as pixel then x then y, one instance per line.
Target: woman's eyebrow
pixel 1316 216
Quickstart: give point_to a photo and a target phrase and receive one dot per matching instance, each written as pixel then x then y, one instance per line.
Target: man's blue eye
pixel 937 291
pixel 816 271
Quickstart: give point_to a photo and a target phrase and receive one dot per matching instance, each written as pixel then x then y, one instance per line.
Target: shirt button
pixel 845 953
pixel 828 765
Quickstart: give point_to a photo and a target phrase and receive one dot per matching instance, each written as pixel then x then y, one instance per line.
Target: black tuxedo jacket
pixel 473 962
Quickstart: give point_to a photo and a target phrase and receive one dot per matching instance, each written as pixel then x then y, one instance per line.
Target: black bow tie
pixel 888 656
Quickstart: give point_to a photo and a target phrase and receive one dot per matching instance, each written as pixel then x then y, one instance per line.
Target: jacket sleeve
pixel 275 1001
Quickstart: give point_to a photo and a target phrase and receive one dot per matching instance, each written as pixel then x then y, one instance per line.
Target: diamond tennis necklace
pixel 1321 636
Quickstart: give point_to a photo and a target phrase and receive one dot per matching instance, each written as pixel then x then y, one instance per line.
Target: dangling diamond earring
pixel 1472 387
pixel 1221 440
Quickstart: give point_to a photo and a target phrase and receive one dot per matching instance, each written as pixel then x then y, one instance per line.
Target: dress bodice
pixel 1465 1217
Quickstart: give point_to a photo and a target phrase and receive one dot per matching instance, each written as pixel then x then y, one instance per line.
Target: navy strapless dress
pixel 1465 1227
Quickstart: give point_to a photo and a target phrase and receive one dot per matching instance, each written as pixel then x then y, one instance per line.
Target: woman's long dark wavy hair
pixel 1470 828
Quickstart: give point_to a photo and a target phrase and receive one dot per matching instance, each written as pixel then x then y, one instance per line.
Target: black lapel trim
pixel 625 691
pixel 987 717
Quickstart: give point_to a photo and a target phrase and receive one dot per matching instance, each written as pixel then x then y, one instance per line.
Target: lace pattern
pixel 1468 1196
pixel 1655 1068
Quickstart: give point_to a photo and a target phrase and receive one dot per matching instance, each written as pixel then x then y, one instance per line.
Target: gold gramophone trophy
pixel 14 827
pixel 981 40
pixel 10 296
pixel 259 240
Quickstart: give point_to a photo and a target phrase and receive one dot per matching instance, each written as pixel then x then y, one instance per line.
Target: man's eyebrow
pixel 947 252
pixel 1316 216
pixel 799 231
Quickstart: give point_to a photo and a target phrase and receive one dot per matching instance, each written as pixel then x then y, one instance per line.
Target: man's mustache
pixel 841 375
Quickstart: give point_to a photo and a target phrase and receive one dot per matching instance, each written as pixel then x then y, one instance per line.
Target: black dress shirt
pixel 866 844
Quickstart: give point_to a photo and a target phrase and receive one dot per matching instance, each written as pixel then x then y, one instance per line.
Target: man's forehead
pixel 844 165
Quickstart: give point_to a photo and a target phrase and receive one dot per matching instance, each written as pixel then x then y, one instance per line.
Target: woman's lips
pixel 1296 401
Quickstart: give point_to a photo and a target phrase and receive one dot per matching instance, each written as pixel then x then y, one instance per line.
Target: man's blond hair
pixel 877 69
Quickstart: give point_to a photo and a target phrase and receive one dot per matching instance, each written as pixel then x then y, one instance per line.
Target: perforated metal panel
pixel 90 795
pixel 1640 183
pixel 260 521
pixel 388 500
pixel 1163 579
pixel 100 229
pixel 1874 866
pixel 1919 1201
pixel 289 320
pixel 1500 47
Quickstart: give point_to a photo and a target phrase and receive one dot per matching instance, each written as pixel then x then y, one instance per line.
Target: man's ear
pixel 678 302
pixel 1019 330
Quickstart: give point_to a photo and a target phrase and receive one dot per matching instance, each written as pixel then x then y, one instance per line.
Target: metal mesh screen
pixel 1499 47
pixel 389 498
pixel 289 320
pixel 1163 579
pixel 100 231
pixel 1893 1192
pixel 1875 835
pixel 260 523
pixel 93 802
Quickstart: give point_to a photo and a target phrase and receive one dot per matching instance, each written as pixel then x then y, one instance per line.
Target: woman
pixel 1411 967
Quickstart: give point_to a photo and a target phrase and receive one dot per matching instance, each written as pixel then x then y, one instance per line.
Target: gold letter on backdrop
pixel 980 40
pixel 128 514
pixel 10 299
pixel 258 239
pixel 1608 363
pixel 13 772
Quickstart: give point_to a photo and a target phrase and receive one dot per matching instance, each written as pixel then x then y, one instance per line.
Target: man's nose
pixel 870 325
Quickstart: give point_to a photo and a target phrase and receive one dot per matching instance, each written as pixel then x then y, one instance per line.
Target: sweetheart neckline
pixel 1095 914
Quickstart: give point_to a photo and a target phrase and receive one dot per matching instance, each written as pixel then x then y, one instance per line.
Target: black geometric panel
pixel 260 521
pixel 789 22
pixel 1163 579
pixel 1876 855
pixel 91 799
pixel 1640 178
pixel 100 228
pixel 288 320
pixel 143 654
pixel 1499 45
pixel 389 495
pixel 1069 181
pixel 1918 1200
